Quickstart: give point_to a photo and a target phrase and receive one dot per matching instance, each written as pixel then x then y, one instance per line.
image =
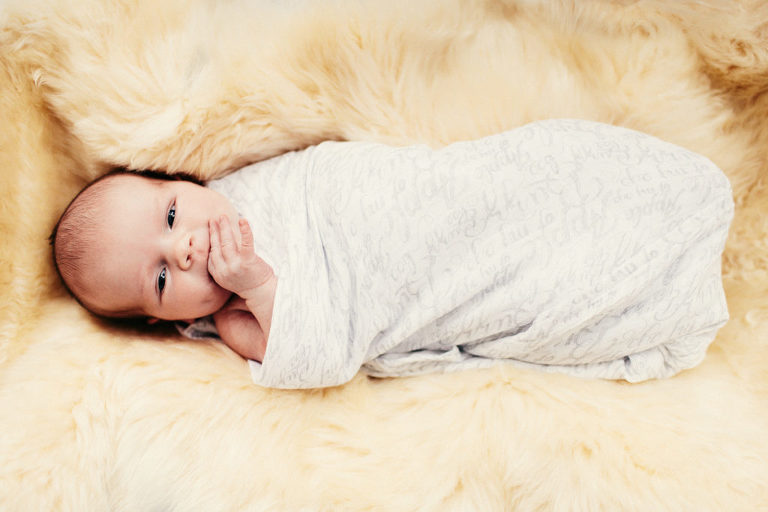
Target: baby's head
pixel 137 245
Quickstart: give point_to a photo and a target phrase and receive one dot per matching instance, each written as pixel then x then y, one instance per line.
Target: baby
pixel 563 245
pixel 147 245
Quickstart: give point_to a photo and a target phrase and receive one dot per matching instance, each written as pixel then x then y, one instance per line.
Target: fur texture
pixel 96 417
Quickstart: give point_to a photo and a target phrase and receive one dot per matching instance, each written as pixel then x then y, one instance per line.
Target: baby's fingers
pixel 228 247
pixel 246 234
pixel 213 231
pixel 214 255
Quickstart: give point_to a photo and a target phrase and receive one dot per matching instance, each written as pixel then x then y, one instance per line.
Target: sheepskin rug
pixel 95 417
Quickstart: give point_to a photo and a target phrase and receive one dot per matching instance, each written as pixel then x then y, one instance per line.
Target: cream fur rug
pixel 97 418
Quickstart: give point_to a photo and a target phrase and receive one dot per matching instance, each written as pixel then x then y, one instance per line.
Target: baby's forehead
pixel 112 196
pixel 120 222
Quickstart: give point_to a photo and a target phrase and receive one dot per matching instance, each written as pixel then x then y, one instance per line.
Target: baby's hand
pixel 234 265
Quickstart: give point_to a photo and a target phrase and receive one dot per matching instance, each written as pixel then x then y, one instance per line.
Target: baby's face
pixel 153 248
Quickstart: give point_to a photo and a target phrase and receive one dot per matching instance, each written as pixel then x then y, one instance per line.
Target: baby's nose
pixel 183 251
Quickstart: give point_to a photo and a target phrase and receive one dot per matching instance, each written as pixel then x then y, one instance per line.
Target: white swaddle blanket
pixel 563 245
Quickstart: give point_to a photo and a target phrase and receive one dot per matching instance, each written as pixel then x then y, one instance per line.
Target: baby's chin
pixel 215 299
pixel 221 297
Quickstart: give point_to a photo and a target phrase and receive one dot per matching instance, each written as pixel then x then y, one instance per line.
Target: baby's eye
pixel 171 215
pixel 161 280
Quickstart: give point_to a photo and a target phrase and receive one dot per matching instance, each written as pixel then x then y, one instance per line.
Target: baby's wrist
pixel 262 291
pixel 260 302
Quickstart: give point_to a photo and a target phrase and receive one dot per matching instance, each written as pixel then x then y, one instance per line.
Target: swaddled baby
pixel 563 245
